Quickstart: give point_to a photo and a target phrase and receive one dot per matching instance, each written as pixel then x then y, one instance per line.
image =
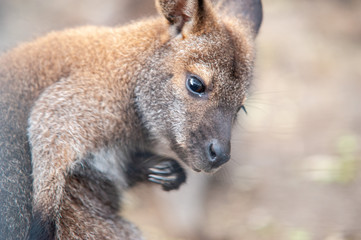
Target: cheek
pixel 178 84
pixel 178 116
pixel 180 111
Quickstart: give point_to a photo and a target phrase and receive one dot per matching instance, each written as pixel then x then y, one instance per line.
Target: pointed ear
pixel 183 15
pixel 248 10
pixel 253 12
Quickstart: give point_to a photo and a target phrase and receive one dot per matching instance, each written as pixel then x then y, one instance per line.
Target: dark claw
pixel 164 171
pixel 146 166
pixel 164 178
pixel 167 173
pixel 155 181
pixel 164 165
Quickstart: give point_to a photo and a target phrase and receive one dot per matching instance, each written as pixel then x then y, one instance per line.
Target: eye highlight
pixel 195 85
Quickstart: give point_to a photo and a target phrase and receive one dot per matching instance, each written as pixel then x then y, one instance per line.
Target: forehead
pixel 223 61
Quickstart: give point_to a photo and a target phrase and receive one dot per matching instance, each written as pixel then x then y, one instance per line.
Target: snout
pixel 218 152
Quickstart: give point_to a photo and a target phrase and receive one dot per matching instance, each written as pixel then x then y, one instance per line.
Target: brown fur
pixel 110 92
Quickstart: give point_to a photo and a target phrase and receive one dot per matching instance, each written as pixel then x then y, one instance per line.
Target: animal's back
pixel 24 73
pixel 15 164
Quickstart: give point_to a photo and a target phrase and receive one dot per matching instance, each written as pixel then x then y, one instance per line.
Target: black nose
pixel 218 152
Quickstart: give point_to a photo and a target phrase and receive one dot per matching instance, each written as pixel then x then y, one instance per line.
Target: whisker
pixel 261 102
pixel 249 106
pixel 236 162
pixel 255 93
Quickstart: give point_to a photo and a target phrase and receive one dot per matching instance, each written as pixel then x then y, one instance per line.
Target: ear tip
pixel 252 11
pixel 181 14
pixel 258 14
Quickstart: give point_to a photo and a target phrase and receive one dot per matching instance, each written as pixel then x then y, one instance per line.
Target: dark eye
pixel 195 85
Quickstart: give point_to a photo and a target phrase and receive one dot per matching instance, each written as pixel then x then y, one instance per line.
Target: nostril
pixel 218 152
pixel 212 152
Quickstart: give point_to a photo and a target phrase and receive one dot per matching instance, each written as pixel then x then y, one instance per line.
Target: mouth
pixel 208 169
pixel 194 168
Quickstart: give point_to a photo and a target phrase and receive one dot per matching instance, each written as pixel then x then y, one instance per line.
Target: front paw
pixel 167 173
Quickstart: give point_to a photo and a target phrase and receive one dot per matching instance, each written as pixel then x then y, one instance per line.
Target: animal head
pixel 196 82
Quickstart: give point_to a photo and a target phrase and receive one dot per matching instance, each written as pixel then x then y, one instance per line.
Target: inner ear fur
pixel 184 16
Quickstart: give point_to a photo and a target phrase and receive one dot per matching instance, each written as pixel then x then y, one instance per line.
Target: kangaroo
pixel 87 113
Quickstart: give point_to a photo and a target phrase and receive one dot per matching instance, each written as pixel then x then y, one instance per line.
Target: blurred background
pixel 295 172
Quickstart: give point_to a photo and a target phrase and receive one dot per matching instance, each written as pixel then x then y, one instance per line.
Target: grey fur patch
pixel 111 162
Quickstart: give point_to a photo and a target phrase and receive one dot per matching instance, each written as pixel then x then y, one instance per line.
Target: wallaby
pixel 88 112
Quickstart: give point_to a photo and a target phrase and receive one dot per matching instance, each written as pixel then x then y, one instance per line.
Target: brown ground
pixel 295 172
